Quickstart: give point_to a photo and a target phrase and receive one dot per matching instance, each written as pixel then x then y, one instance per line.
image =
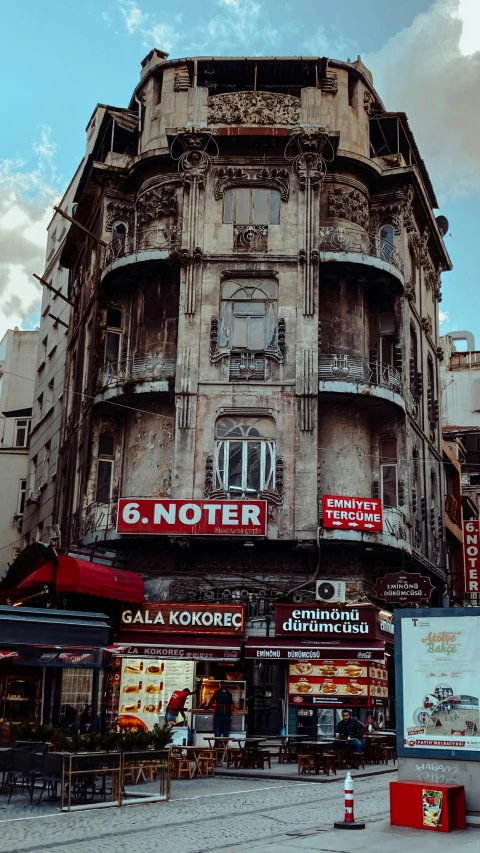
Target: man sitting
pixel 351 729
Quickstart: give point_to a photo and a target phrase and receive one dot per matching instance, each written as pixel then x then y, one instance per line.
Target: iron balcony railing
pixel 344 368
pixel 348 240
pixel 138 368
pixel 394 523
pixel 99 516
pixel 143 240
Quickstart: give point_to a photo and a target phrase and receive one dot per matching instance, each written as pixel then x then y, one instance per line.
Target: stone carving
pixel 410 291
pixel 194 162
pixel 381 214
pixel 275 496
pixel 208 477
pixel 276 179
pixel 329 83
pixel 213 337
pixel 229 177
pixel 440 354
pixel 181 79
pixel 426 325
pixel 408 217
pixel 157 202
pixel 368 101
pixel 250 238
pixel 308 161
pixel 119 210
pixel 348 204
pixel 253 108
pixel 281 336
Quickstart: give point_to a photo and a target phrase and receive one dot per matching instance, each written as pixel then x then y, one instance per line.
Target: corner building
pixel 256 317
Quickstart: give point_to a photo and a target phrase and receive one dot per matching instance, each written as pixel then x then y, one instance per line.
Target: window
pixel 388 464
pixel 245 455
pixel 45 464
pixel 119 233
pixel 113 336
pixel 21 497
pixel 40 406
pixel 86 358
pixel 22 432
pixel 386 243
pixel 413 360
pixel 352 90
pixel 249 315
pixel 106 455
pixel 32 473
pixel 386 331
pixel 249 206
pixel 48 398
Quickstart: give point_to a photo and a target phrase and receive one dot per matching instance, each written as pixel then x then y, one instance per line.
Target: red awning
pixel 81 576
pixel 264 648
pixel 178 646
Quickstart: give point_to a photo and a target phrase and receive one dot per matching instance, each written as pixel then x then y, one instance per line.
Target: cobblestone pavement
pixel 203 815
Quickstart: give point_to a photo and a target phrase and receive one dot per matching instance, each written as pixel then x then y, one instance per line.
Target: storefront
pixel 36 646
pixel 322 659
pixel 167 647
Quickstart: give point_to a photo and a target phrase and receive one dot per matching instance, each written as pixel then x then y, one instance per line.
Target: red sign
pixel 163 516
pixel 349 513
pixel 184 618
pixel 336 682
pixel 471 550
pixel 326 624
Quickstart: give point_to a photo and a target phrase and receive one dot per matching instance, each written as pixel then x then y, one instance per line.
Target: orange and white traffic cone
pixel 349 821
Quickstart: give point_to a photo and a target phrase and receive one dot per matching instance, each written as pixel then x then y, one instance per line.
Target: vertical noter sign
pixel 471 549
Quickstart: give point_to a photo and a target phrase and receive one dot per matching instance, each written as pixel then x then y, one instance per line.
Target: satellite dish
pixel 442 223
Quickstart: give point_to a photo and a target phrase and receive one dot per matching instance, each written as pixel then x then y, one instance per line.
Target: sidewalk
pixel 289 773
pixel 378 836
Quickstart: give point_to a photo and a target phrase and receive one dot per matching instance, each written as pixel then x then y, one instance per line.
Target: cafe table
pixel 220 744
pixel 193 753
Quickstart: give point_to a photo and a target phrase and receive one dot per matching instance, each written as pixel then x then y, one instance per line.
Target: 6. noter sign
pixel 351 513
pixel 194 518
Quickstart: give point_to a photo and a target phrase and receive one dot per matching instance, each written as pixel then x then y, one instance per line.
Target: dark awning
pixel 28 626
pixel 264 648
pixel 179 646
pixel 79 576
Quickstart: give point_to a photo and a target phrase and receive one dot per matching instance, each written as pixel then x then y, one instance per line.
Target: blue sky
pixel 59 58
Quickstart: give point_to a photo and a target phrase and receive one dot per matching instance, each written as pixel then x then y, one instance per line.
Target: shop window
pixel 113 337
pixel 245 455
pixel 386 331
pixel 106 454
pixel 251 206
pixel 22 432
pixel 388 465
pixel 248 315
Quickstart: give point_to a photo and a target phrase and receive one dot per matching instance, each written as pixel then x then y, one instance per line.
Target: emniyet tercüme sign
pixel 439 681
pixel 163 516
pixel 352 513
pixel 159 618
pixel 326 623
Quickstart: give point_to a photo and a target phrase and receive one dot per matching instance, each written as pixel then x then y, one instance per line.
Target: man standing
pixel 223 701
pixel 349 728
pixel 176 705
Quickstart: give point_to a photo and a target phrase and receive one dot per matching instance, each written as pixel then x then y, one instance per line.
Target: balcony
pixel 139 373
pixel 396 532
pixel 99 523
pixel 352 244
pixel 368 376
pixel 143 244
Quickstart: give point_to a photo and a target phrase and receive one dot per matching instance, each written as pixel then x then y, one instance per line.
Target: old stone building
pixel 255 317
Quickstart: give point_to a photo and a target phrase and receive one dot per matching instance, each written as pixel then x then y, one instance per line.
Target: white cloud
pixel 153 32
pixel 427 71
pixel 443 316
pixel 27 193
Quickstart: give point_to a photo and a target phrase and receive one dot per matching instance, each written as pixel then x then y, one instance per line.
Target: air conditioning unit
pixel 331 592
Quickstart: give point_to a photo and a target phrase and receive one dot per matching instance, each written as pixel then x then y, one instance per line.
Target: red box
pixel 406 805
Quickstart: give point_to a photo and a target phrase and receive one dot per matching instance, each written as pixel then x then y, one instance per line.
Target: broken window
pixel 388 465
pixel 245 455
pixel 113 337
pixel 106 455
pixel 251 206
pixel 248 315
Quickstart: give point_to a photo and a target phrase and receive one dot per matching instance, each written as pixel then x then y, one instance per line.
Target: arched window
pixel 119 230
pixel 386 332
pixel 386 243
pixel 106 456
pixel 388 465
pixel 248 315
pixel 245 455
pixel 251 206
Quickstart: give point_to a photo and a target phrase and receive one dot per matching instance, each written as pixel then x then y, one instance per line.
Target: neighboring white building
pixel 18 356
pixel 460 381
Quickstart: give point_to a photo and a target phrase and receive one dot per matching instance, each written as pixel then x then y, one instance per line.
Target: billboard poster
pixel 336 682
pixel 146 686
pixel 438 682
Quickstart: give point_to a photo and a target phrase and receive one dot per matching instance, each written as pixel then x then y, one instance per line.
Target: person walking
pixel 176 705
pixel 350 729
pixel 223 701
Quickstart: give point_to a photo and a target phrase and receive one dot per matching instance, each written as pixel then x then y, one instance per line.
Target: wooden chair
pixel 387 752
pixel 235 757
pixel 355 759
pixel 207 764
pixel 306 764
pixel 285 753
pixel 329 762
pixel 181 767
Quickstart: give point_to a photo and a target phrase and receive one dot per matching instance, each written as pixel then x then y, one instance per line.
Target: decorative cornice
pixel 277 179
pixel 348 204
pixel 157 202
pixel 119 210
pixel 255 108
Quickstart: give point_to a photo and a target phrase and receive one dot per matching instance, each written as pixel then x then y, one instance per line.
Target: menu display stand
pixel 407 805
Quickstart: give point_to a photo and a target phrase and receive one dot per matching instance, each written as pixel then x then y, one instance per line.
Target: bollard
pixel 349 821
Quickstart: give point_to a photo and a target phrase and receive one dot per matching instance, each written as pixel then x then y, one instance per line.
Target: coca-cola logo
pixel 298 699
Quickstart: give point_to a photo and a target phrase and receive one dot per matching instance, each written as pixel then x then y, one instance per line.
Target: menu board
pixel 336 682
pixel 146 685
pixel 441 682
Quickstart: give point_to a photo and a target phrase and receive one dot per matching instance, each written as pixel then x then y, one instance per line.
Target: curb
pixel 322 780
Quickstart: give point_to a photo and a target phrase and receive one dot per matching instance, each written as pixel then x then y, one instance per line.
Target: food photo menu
pixel 146 686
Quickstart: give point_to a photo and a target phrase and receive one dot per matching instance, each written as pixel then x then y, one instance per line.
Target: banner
pixel 471 551
pixel 163 516
pixel 440 681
